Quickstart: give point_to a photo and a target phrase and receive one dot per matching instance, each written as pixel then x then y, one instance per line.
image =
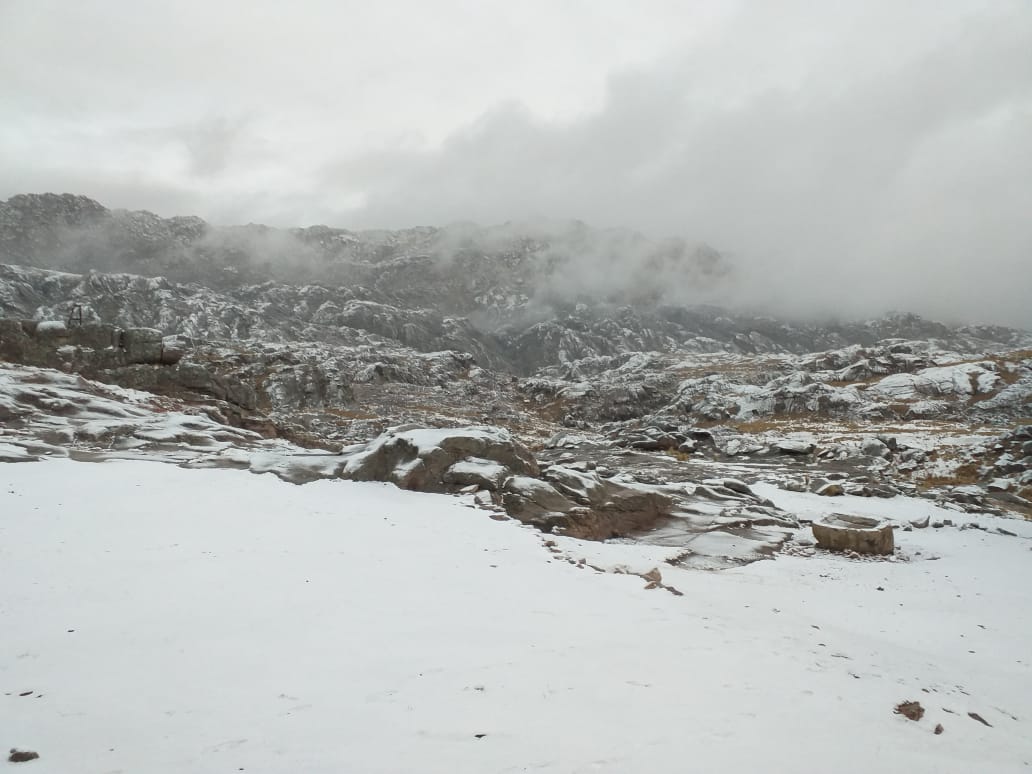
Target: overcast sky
pixel 852 156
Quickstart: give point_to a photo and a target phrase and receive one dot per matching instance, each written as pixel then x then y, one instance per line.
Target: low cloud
pixel 850 193
pixel 847 158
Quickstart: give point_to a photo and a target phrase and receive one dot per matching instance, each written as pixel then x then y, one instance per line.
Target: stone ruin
pixel 860 534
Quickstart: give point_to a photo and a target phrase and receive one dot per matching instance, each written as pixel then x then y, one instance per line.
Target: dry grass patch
pixel 962 476
pixel 350 413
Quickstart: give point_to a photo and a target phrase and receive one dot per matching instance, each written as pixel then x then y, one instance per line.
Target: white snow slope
pixel 171 620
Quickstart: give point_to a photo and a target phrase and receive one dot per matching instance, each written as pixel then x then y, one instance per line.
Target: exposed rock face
pixel 577 503
pixel 844 532
pixel 324 337
pixel 95 345
pixel 477 472
pixel 422 458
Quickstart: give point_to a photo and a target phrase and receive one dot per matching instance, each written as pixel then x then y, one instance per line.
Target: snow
pixel 476 467
pixel 940 380
pixel 424 439
pixel 223 621
pixel 11 453
pixel 811 506
pixel 50 326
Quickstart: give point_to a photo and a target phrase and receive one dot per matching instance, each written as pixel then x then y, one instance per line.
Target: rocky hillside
pixel 518 298
pixel 583 344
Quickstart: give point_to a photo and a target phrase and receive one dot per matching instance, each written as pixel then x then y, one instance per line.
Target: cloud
pixel 851 158
pixel 852 188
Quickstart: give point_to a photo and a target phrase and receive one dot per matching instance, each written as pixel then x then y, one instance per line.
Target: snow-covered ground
pixel 171 620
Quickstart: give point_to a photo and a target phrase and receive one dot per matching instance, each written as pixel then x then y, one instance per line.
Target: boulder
pixel 51 331
pixel 583 505
pixel 872 447
pixel 830 490
pixel 419 458
pixel 787 446
pixel 536 502
pixel 845 532
pixel 96 335
pixel 890 441
pixel 142 345
pixel 480 473
pixel 737 486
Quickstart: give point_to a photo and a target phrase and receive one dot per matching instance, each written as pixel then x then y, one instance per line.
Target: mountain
pixel 582 343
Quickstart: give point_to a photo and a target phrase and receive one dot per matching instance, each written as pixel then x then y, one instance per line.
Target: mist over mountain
pixel 516 272
pixel 539 264
pixel 847 159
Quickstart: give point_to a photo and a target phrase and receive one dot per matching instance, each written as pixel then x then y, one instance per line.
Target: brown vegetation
pixel 963 475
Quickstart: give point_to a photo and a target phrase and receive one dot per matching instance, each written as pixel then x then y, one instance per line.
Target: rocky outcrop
pixel 91 346
pixel 576 503
pixel 423 458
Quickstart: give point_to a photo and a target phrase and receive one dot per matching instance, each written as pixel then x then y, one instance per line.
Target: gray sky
pixel 850 156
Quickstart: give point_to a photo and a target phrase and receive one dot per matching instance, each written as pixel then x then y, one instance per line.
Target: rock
pixel 980 719
pixel 845 532
pixel 711 492
pixel 794 447
pixel 51 330
pixel 737 486
pixel 884 490
pixel 476 472
pixel 920 523
pixel 913 455
pixel 857 490
pixel 890 442
pixel 657 443
pixel 830 490
pixel 1000 485
pixel 912 710
pixel 418 458
pixel 536 502
pixel 142 345
pixel 872 447
pixel 22 756
pixel 938 729
pixel 173 348
pixel 483 499
pixel 1008 497
pixel 607 509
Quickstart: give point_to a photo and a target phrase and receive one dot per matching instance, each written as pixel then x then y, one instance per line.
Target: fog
pixel 848 158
